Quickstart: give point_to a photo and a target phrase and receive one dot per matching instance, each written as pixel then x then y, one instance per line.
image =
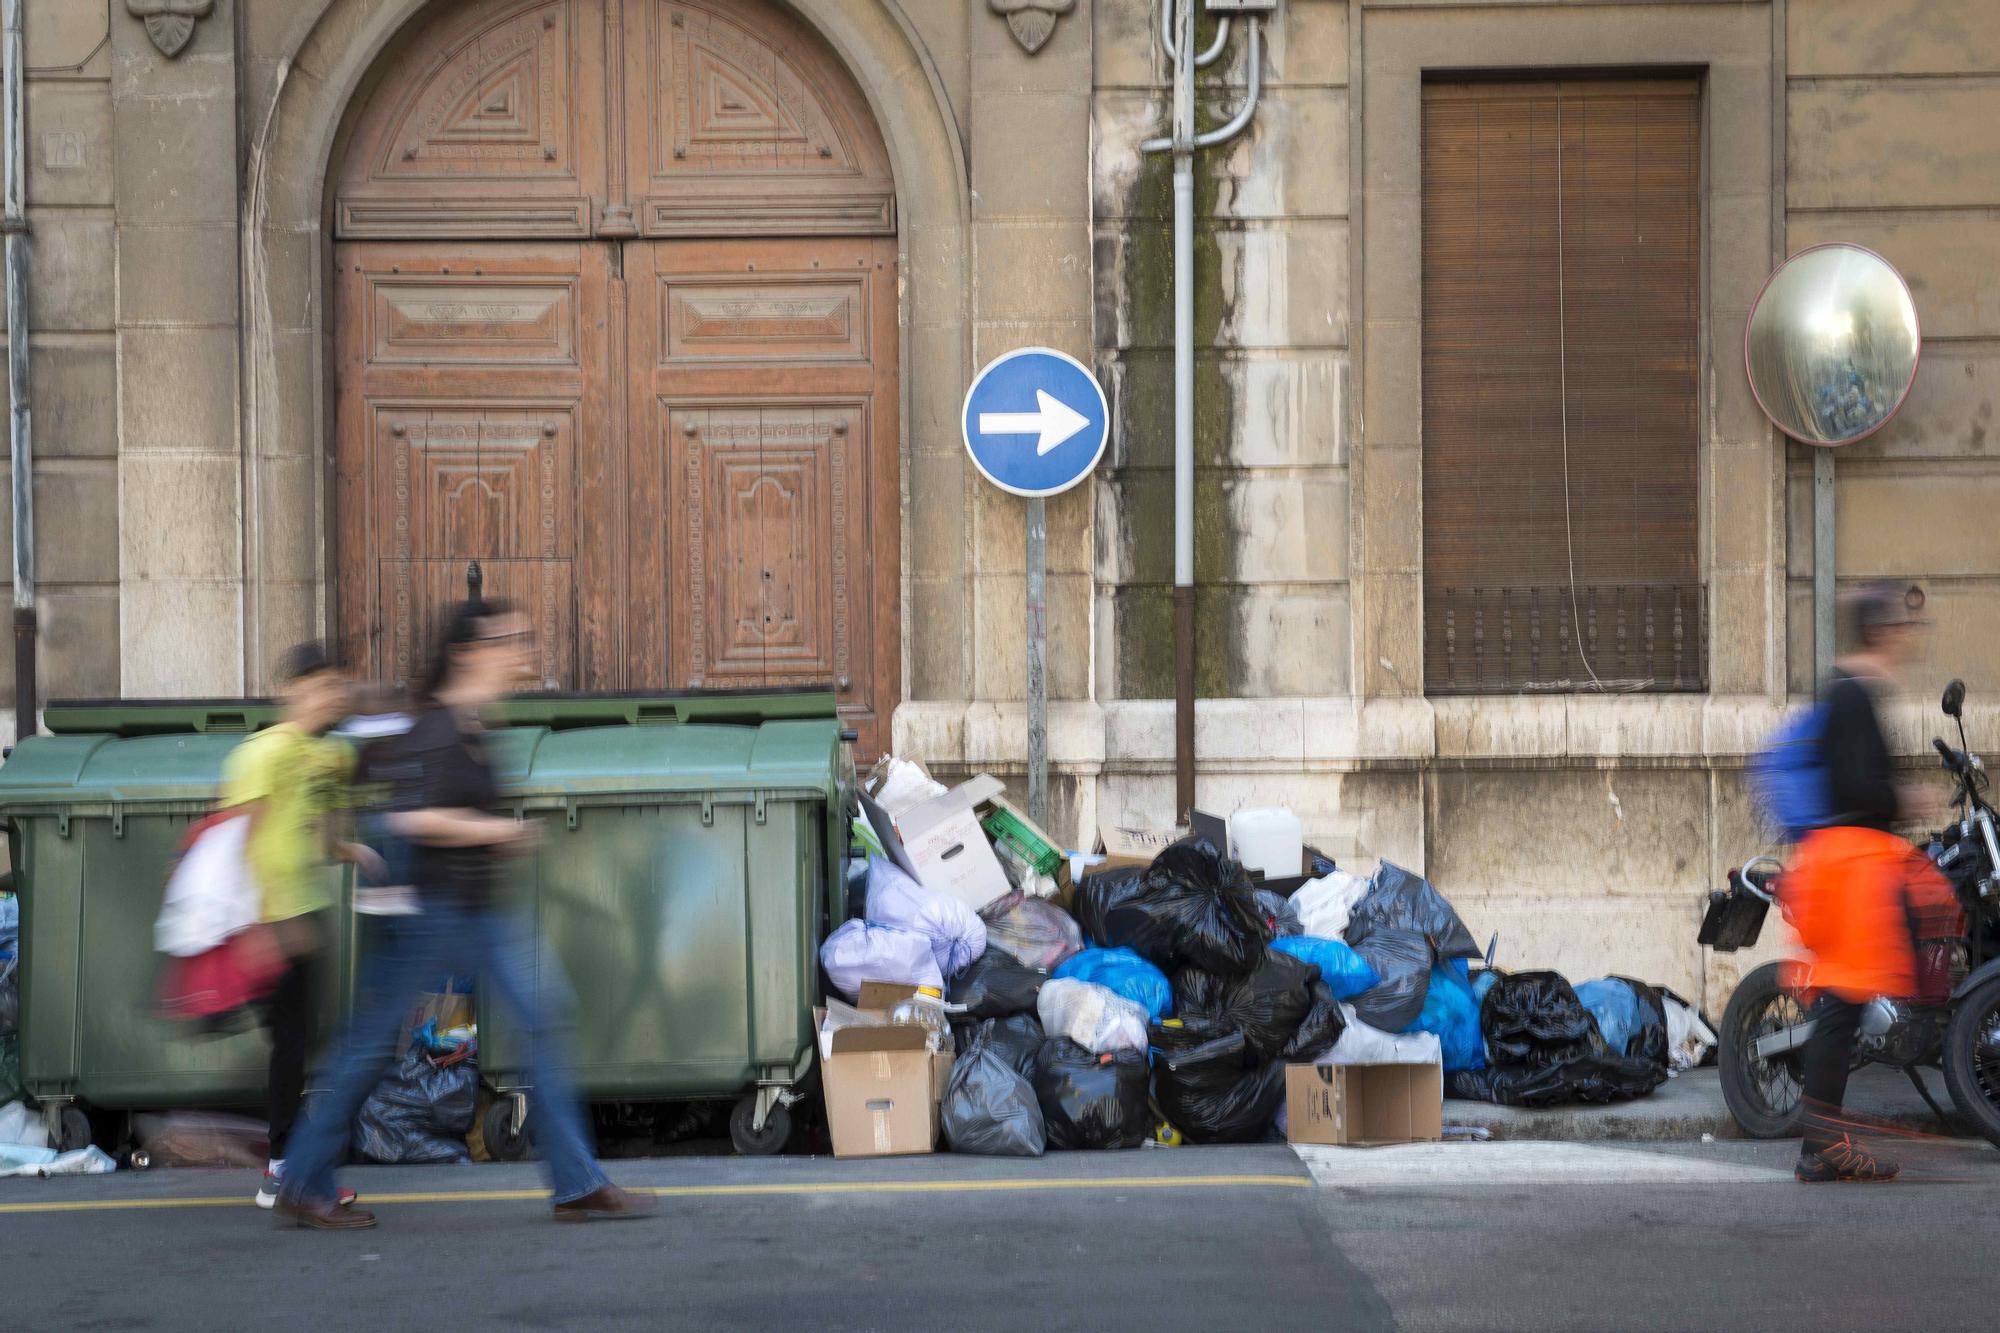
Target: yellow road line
pixel 717 1191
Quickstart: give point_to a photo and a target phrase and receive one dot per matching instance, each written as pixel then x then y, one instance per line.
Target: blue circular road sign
pixel 1035 421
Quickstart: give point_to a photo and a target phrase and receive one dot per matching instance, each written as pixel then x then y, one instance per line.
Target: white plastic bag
pixel 862 951
pixel 1095 1017
pixel 20 1127
pixel 898 785
pixel 211 894
pixel 1323 904
pixel 1360 1044
pixel 91 1161
pixel 956 933
pixel 1688 1038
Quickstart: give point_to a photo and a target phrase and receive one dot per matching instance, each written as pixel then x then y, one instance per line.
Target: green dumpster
pixel 92 822
pixel 693 854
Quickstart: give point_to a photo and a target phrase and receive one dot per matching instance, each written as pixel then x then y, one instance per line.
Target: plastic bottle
pixel 926 1008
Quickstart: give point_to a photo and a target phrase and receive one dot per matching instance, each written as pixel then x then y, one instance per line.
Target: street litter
pixel 87 1161
pixel 201 1138
pixel 1186 1001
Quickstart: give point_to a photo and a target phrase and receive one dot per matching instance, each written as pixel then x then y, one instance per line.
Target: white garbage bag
pixel 20 1127
pixel 862 951
pixel 1688 1038
pixel 1095 1017
pixel 1324 904
pixel 1360 1044
pixel 90 1161
pixel 956 933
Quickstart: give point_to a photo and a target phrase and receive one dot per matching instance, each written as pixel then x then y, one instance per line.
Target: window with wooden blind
pixel 1561 263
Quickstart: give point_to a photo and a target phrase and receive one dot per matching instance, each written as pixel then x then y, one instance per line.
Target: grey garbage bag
pixel 419 1112
pixel 1402 958
pixel 1399 900
pixel 990 1109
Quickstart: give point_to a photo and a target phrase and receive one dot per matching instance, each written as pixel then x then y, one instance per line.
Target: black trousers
pixel 1829 1051
pixel 293 1015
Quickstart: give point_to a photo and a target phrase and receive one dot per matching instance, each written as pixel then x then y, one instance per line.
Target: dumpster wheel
pixel 502 1128
pixel 72 1128
pixel 777 1131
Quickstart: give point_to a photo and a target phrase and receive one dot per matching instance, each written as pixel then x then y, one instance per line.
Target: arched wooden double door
pixel 615 309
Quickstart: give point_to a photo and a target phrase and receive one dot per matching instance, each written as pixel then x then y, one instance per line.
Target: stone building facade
pixel 205 495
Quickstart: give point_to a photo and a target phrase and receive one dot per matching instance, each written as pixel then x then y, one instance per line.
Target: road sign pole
pixel 1038 662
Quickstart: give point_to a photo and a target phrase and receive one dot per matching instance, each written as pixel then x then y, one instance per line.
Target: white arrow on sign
pixel 1055 422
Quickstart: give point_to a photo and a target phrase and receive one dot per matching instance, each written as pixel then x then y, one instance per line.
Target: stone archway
pixel 289 216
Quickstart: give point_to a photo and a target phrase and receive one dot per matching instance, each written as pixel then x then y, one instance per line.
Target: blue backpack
pixel 1789 780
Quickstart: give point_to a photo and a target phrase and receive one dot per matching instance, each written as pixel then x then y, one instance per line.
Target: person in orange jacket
pixel 1855 892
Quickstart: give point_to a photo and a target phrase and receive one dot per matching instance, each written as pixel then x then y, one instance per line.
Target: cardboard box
pixel 882 1087
pixel 1126 846
pixel 946 848
pixel 1364 1105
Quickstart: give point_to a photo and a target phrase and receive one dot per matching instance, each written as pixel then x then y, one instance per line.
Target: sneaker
pixel 1843 1160
pixel 274 1181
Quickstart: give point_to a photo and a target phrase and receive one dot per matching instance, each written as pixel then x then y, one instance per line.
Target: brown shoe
pixel 322 1216
pixel 607 1203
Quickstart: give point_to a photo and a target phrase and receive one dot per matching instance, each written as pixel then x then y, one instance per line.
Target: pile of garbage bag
pixel 1165 1000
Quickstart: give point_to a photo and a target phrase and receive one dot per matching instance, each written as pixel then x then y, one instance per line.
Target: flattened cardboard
pixel 1128 845
pixel 1364 1105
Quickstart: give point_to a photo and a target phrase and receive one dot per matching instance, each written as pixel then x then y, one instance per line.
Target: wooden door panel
pixel 472 386
pixel 764 374
pixel 493 126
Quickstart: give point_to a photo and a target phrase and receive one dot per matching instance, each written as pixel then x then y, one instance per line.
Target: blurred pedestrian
pixel 447 807
pixel 291 781
pixel 1854 889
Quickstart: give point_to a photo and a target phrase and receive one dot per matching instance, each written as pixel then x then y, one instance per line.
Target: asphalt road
pixel 1496 1236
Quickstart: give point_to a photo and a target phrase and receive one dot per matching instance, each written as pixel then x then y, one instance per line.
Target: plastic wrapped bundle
pixel 861 951
pixel 1037 933
pixel 1092 1016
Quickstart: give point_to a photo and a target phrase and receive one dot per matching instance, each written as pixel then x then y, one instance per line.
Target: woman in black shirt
pixel 446 805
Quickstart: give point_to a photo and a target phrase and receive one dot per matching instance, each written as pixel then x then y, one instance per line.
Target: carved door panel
pixel 492 126
pixel 742 123
pixel 763 380
pixel 472 388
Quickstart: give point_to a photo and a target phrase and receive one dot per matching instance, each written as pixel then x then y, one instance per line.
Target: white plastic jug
pixel 1270 840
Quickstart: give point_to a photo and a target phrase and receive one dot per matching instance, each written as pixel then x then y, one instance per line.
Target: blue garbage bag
pixel 1126 973
pixel 1344 971
pixel 1452 1013
pixel 1482 983
pixel 1630 1015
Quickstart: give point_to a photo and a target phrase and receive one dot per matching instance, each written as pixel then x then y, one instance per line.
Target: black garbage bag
pixel 1092 1101
pixel 1192 907
pixel 1534 1018
pixel 419 1112
pixel 1266 1006
pixel 996 985
pixel 1320 1029
pixel 1594 1077
pixel 1650 1041
pixel 989 1108
pixel 1018 1039
pixel 1278 910
pixel 1212 1086
pixel 1399 900
pixel 1402 959
pixel 1544 1049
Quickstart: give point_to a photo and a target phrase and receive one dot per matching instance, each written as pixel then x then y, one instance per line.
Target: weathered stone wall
pixel 73 353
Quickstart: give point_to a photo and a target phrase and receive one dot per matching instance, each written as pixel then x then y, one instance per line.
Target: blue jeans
pixel 411 953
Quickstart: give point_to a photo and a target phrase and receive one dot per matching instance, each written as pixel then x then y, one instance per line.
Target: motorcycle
pixel 1765 1027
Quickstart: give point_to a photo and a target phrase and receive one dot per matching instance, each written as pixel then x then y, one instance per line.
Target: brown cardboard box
pixel 1364 1105
pixel 1127 846
pixel 948 850
pixel 882 1088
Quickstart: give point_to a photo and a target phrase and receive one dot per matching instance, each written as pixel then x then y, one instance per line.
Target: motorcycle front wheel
pixel 1765 1096
pixel 1972 1058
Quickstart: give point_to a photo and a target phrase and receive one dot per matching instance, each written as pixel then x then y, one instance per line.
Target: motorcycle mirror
pixel 1954 699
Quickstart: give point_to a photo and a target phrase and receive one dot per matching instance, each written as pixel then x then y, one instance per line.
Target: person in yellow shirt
pixel 292 780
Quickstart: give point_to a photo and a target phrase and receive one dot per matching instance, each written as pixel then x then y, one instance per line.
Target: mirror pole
pixel 1823 577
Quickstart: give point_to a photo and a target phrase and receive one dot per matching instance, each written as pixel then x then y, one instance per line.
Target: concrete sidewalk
pixel 1688 1106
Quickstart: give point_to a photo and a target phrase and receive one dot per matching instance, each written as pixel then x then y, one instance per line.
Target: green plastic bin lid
pixel 553 746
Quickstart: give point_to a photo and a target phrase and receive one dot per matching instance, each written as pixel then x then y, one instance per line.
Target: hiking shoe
pixel 1843 1160
pixel 267 1193
pixel 608 1203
